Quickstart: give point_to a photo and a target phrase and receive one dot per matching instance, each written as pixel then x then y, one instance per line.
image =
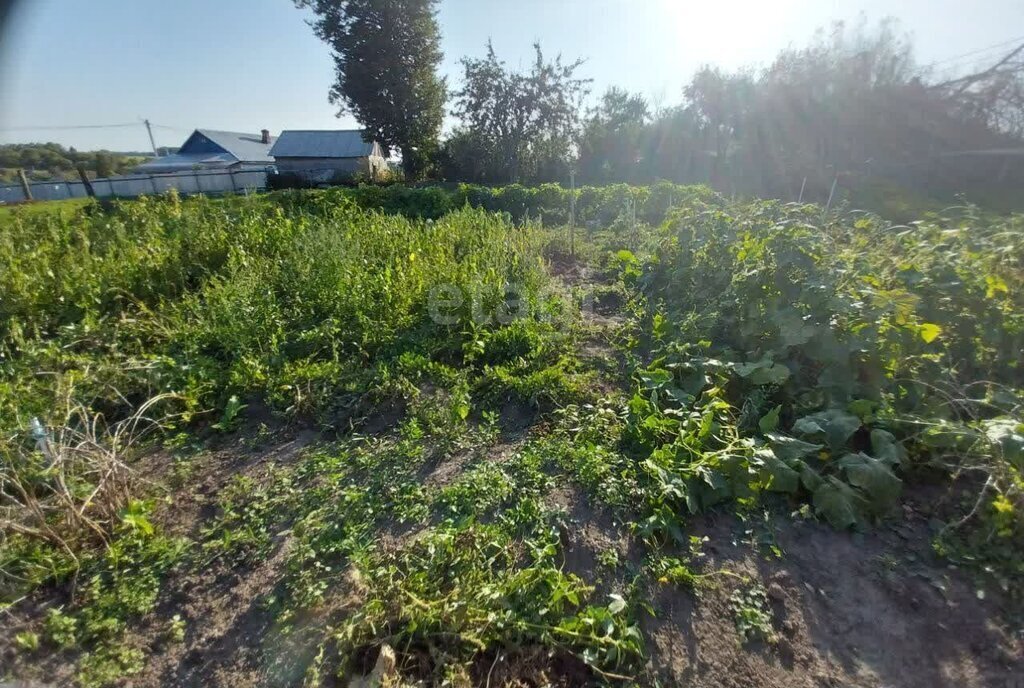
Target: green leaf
pixel 885 447
pixel 777 475
pixel 660 327
pixel 929 331
pixel 626 257
pixel 880 487
pixel 770 420
pixel 862 408
pixel 1008 435
pixel 995 284
pixel 790 448
pixel 946 435
pixel 135 517
pixel 837 502
pixel 653 379
pixel 763 372
pixel 793 329
pixel 808 426
pixel 809 477
pixel 835 426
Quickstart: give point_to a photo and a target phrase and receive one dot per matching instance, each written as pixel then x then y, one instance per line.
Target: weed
pixel 752 614
pixel 27 640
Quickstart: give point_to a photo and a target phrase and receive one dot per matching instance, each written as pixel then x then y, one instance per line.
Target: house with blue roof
pixel 210 149
pixel 326 156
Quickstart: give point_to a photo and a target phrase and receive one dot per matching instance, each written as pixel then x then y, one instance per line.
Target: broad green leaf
pixel 929 332
pixel 790 448
pixel 793 329
pixel 777 475
pixel 763 372
pixel 862 408
pixel 880 487
pixel 626 257
pixel 1008 435
pixel 995 284
pixel 654 379
pixel 946 435
pixel 660 327
pixel 835 426
pixel 770 420
pixel 617 603
pixel 681 398
pixel 809 477
pixel 837 502
pixel 885 447
pixel 808 426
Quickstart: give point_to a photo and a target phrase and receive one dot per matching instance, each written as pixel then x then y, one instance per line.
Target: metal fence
pixel 131 186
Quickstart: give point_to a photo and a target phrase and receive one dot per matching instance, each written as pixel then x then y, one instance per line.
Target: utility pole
pixel 149 128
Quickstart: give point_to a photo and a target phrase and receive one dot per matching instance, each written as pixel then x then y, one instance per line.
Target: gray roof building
pixel 327 156
pixel 213 149
pixel 340 143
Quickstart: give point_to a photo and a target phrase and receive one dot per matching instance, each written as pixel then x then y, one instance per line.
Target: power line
pixel 167 126
pixel 974 52
pixel 70 126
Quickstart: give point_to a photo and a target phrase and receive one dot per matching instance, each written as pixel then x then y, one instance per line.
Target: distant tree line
pixel 52 160
pixel 852 105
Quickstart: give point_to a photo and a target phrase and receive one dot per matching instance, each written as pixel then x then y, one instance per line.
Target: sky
pixel 246 65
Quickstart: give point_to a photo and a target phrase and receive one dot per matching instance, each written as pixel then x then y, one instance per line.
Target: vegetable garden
pixel 400 436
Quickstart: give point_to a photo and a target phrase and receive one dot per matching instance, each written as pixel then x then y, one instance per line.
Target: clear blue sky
pixel 251 64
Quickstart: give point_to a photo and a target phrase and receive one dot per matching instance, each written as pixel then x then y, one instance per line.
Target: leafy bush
pixel 214 298
pixel 824 357
pixel 548 202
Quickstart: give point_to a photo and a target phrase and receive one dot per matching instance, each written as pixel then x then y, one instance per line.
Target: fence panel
pixel 131 186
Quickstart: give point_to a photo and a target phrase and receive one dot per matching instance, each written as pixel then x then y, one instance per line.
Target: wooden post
pixel 832 193
pixel 572 213
pixel 25 188
pixel 89 191
pixel 152 182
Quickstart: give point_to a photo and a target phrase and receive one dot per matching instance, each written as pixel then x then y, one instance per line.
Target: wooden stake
pixel 89 191
pixel 25 188
pixel 832 192
pixel 572 213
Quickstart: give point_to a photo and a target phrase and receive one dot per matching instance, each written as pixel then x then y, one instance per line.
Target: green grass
pixel 63 208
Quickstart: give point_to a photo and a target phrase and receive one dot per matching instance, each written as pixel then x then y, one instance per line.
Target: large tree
pixel 386 55
pixel 611 143
pixel 524 124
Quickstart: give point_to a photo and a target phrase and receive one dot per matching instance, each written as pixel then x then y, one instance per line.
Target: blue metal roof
pixel 339 143
pixel 210 149
pixel 244 147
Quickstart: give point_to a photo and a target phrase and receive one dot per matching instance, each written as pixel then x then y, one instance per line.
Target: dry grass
pixel 66 485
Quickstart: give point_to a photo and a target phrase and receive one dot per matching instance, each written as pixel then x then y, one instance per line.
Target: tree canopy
pixel 516 125
pixel 386 55
pixel 52 160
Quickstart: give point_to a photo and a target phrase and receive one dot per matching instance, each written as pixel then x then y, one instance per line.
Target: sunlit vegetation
pixel 460 384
